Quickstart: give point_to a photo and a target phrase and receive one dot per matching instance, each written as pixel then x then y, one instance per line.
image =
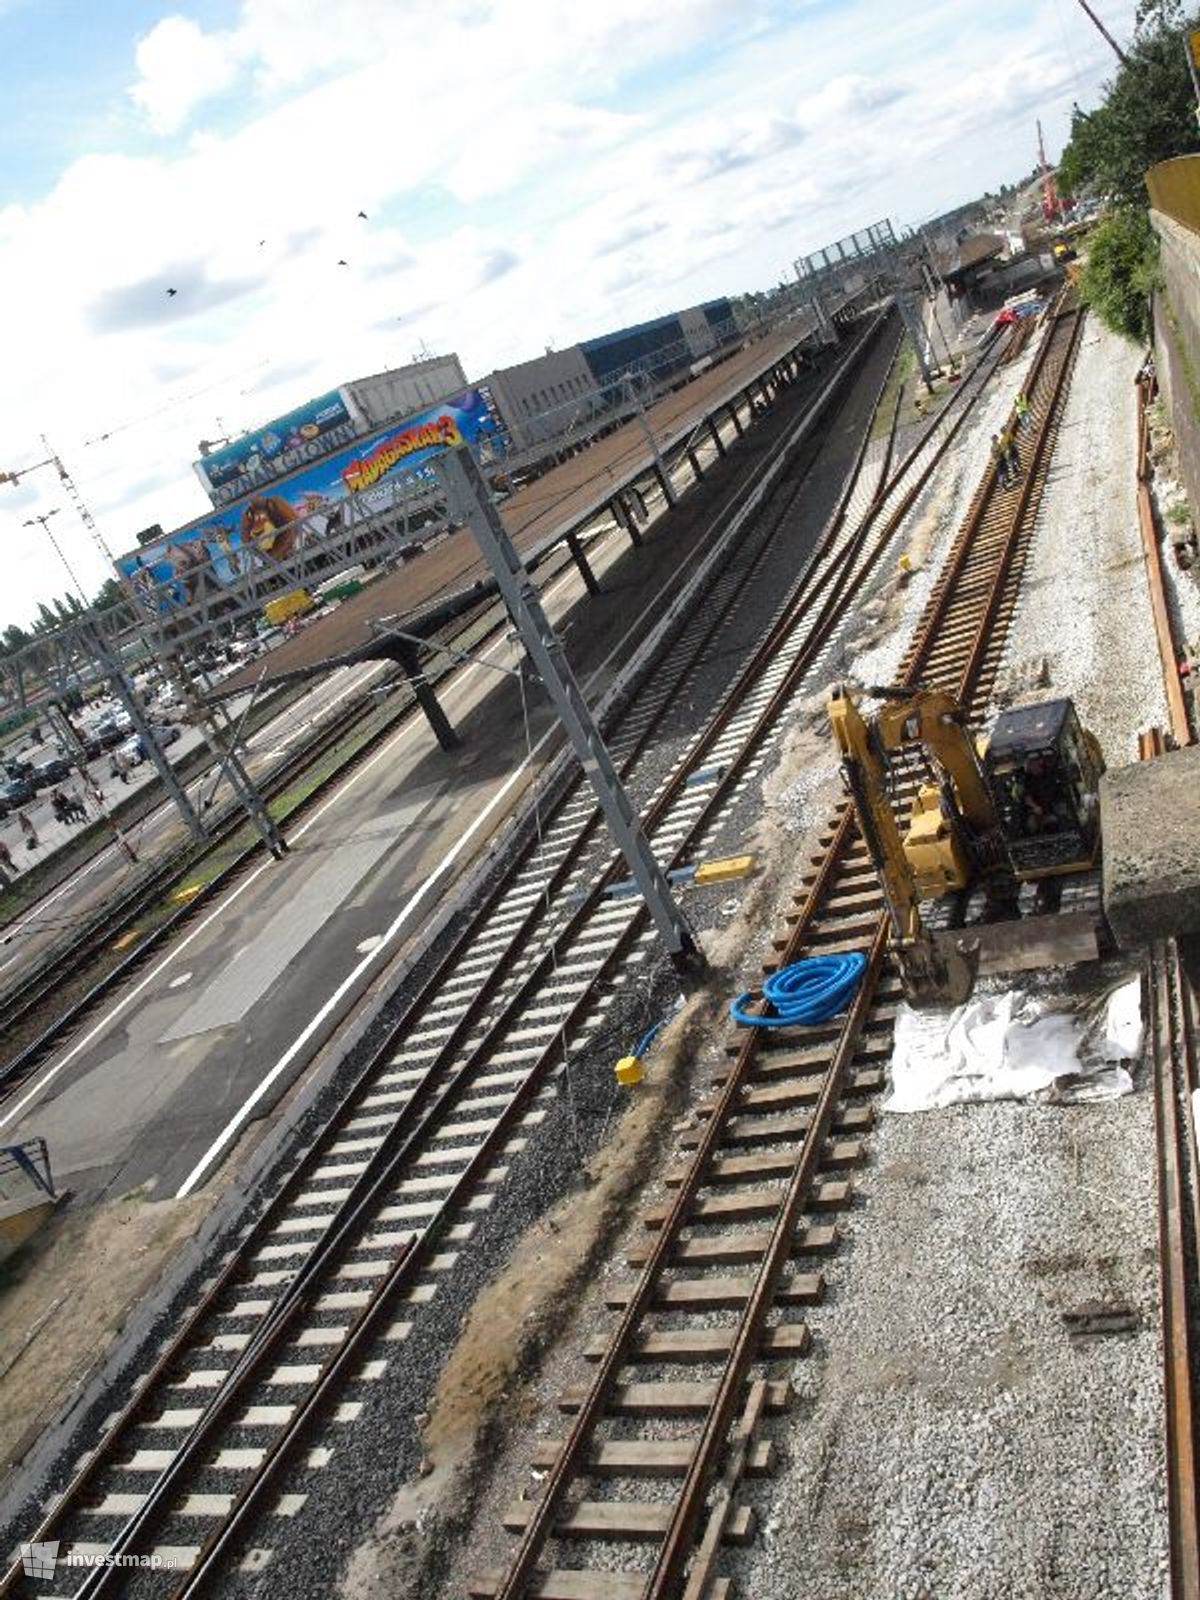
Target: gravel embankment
pixel 952 1440
pixel 1084 602
pixel 790 795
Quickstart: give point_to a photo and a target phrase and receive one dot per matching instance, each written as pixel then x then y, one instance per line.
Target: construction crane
pixel 1052 205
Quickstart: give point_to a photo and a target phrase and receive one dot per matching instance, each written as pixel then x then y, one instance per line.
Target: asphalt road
pixel 108 871
pixel 156 1091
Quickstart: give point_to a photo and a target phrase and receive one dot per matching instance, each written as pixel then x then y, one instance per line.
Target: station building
pixel 539 400
pixel 301 458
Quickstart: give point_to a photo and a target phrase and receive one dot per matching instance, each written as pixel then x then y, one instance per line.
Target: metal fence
pixel 1175 190
pixel 844 253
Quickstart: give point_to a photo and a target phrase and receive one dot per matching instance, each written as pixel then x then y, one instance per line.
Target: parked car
pixel 110 732
pixel 50 772
pixel 16 792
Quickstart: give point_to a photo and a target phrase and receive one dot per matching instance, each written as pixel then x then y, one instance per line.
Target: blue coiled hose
pixel 812 990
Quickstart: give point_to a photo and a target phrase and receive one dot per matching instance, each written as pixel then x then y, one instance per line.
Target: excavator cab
pixel 1044 770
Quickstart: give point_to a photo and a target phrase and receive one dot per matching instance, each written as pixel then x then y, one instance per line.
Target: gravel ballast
pixel 952 1439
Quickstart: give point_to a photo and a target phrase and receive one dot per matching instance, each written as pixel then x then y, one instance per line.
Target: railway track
pixel 1169 1003
pixel 377 1210
pixel 48 1005
pixel 394 1099
pixel 641 1496
pixel 1171 1008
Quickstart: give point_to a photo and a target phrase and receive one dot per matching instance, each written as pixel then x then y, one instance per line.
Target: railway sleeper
pixel 800 1092
pixel 672 1398
pixel 779 1341
pixel 647 1458
pixel 630 1519
pixel 831 932
pixel 863 880
pixel 830 947
pixel 723 1294
pixel 763 1130
pixel 812 1038
pixel 832 1194
pixel 855 892
pixel 769 1164
pixel 744 1248
pixel 773 1068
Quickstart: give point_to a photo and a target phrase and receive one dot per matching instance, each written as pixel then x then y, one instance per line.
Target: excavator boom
pixel 931 974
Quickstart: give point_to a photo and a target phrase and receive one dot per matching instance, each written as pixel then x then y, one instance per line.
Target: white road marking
pixel 153 817
pixel 237 1121
pixel 386 750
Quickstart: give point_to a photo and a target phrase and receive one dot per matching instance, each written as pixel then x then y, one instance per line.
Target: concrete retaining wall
pixel 1177 343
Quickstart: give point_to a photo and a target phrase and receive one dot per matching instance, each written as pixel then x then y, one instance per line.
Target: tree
pixel 110 593
pixel 1147 114
pixel 14 638
pixel 1158 14
pixel 1121 272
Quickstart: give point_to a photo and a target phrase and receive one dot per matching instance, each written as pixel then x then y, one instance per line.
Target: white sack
pixel 1010 1046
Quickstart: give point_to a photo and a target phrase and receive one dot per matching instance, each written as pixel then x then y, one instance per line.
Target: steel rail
pixel 478 1168
pixel 26 999
pixel 667 1574
pixel 212 1298
pixel 431 1103
pixel 23 1063
pixel 421 1249
pixel 1169 653
pixel 1173 1066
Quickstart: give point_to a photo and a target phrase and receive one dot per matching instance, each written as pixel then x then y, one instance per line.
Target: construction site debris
pixel 1013 1046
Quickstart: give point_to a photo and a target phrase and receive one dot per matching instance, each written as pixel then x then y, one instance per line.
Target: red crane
pixel 1052 205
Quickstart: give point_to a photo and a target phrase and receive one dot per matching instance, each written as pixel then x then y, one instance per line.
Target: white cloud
pixel 179 68
pixel 531 172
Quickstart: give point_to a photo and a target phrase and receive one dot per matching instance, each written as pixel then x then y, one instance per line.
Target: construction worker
pixel 1012 454
pixel 1024 416
pixel 1000 461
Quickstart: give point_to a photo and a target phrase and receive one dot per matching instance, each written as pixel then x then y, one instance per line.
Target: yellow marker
pixel 726 868
pixel 905 563
pixel 189 892
pixel 628 1070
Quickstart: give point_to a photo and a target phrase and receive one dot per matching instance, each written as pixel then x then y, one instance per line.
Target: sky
pixel 533 172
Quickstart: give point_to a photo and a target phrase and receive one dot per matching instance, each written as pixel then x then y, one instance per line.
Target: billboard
pixel 310 431
pixel 260 528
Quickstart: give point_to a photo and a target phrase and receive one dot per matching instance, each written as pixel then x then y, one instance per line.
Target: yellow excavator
pixel 1024 806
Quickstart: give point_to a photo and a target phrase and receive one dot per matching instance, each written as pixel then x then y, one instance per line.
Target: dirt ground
pixel 66 1296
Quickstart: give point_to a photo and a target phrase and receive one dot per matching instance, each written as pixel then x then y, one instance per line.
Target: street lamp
pixel 44 522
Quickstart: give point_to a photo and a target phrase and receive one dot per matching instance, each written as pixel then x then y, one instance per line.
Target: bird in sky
pixel 171 293
pixel 364 216
pixel 343 263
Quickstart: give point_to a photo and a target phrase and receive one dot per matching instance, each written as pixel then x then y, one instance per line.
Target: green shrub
pixel 1121 273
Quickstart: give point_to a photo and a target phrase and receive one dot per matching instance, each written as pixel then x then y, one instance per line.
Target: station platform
pixel 451 575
